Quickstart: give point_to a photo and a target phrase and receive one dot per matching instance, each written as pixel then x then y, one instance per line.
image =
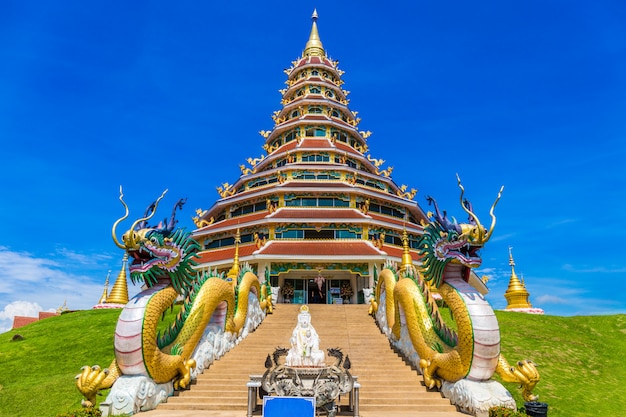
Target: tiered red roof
pixel 226 253
pixel 388 219
pixel 320 248
pixel 236 220
pixel 397 252
pixel 315 143
pixel 308 213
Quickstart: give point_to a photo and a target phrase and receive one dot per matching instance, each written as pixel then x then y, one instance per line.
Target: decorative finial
pixel 234 270
pixel 105 293
pixel 314 46
pixel 511 261
pixel 407 260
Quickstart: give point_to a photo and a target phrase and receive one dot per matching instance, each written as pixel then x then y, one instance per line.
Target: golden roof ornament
pixel 63 308
pixel 516 294
pixel 407 260
pixel 119 292
pixel 234 270
pixel 314 45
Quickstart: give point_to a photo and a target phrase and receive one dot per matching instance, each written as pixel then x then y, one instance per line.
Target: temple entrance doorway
pixel 318 287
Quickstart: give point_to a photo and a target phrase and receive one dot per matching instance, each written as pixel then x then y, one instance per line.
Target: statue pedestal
pixel 325 384
pixel 304 373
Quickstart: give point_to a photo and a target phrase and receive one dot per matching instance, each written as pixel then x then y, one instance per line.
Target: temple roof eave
pixel 295 185
pixel 335 249
pixel 264 218
pixel 318 167
pixel 416 229
pixel 252 259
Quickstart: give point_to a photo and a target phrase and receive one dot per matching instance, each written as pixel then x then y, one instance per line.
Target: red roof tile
pixel 396 252
pixel 236 220
pixel 391 219
pixel 343 147
pixel 225 254
pixel 320 213
pixel 315 143
pixel 319 184
pixel 315 117
pixel 21 321
pixel 320 248
pixel 287 146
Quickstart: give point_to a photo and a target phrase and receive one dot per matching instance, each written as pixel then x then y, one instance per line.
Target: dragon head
pixel 448 242
pixel 158 252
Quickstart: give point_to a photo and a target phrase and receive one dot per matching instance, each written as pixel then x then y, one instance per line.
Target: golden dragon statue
pixel 162 262
pixel 407 311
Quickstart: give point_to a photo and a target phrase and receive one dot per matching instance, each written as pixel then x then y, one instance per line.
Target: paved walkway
pixel 202 413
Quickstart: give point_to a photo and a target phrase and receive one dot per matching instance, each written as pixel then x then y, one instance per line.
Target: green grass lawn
pixel 37 373
pixel 581 360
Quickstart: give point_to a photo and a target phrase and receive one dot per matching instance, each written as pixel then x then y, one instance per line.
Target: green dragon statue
pixel 162 261
pixel 406 309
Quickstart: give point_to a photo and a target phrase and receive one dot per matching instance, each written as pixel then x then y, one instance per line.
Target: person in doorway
pixel 317 295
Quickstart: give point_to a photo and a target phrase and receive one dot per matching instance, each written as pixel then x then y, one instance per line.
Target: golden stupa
pixel 119 292
pixel 118 297
pixel 516 294
pixel 105 292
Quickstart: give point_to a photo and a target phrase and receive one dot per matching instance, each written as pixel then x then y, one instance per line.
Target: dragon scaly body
pixel 162 260
pixel 405 304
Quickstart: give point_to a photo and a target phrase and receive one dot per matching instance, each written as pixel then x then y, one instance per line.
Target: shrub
pixel 505 412
pixel 83 412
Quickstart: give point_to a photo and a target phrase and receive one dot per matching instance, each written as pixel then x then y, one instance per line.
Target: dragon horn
pixel 471 213
pixel 493 216
pixel 130 241
pixel 152 213
pixel 117 242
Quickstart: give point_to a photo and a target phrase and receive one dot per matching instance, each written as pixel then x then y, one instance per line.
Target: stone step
pixel 389 387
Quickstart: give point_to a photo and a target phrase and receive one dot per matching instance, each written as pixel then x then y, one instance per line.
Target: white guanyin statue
pixel 305 343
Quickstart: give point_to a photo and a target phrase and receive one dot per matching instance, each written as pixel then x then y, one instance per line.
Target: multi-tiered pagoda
pixel 317 210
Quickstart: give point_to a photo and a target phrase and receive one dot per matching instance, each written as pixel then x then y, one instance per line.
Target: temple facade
pixel 316 212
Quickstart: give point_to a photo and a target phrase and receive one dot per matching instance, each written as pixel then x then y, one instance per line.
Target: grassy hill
pixel 581 360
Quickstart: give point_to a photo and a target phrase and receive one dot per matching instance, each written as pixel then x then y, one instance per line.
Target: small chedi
pixel 305 343
pixel 516 294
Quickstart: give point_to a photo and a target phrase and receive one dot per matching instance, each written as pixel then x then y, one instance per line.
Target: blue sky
pixel 153 95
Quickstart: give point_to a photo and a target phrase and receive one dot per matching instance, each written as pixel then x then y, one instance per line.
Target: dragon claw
pixel 429 375
pixel 524 373
pixel 185 380
pixel 528 376
pixel 89 382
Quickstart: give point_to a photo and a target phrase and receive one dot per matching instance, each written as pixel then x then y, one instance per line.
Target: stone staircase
pixel 389 387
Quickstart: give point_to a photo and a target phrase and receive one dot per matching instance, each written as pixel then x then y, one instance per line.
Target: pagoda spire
pixel 314 45
pixel 105 292
pixel 119 292
pixel 407 260
pixel 516 294
pixel 234 270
